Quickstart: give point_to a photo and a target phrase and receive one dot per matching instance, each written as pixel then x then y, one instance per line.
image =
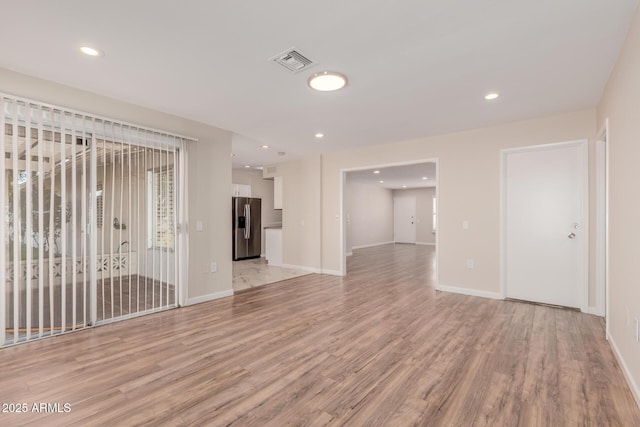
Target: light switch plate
pixel 199 226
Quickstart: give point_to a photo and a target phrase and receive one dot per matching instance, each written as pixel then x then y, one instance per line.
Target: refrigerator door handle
pixel 247 228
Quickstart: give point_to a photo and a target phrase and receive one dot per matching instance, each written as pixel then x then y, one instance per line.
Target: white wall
pixel 621 105
pixel 424 212
pixel 369 211
pixel 261 188
pixel 301 211
pixel 209 171
pixel 468 189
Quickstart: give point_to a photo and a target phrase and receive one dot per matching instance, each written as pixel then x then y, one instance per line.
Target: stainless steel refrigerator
pixel 247 229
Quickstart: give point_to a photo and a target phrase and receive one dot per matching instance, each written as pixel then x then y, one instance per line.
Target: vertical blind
pixel 81 198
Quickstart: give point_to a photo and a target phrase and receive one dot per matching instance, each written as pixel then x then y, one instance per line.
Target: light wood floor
pixel 378 348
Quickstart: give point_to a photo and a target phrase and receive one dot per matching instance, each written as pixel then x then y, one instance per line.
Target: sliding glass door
pixel 136 229
pixel 90 220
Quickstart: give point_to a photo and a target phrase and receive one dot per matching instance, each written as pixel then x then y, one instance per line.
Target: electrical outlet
pixel 471 264
pixel 214 267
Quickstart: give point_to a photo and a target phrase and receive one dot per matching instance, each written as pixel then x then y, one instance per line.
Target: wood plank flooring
pixel 379 347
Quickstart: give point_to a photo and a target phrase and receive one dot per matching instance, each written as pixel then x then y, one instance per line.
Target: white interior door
pixel 404 219
pixel 545 223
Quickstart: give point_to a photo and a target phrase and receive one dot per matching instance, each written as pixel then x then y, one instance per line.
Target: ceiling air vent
pixel 293 60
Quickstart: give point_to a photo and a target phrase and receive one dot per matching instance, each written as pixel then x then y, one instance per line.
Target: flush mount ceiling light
pixel 404 186
pixel 376 172
pixel 91 51
pixel 327 81
pixel 491 96
pixel 319 135
pixel 424 177
pixel 247 166
pixel 264 146
pixel 381 182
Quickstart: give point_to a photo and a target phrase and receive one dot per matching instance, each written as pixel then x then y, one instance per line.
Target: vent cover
pixel 293 60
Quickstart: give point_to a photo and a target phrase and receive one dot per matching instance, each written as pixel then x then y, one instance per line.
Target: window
pixel 434 221
pixel 160 217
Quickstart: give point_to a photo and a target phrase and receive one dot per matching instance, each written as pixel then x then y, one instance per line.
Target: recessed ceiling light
pixel 376 171
pixel 91 51
pixel 319 135
pixel 404 186
pixel 381 182
pixel 327 81
pixel 491 96
pixel 247 166
pixel 424 177
pixel 264 146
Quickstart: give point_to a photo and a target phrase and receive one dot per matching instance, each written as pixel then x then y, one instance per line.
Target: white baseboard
pixel 209 297
pixel 301 268
pixel 592 310
pixel 332 272
pixel 635 390
pixel 471 292
pixel 425 244
pixel 371 245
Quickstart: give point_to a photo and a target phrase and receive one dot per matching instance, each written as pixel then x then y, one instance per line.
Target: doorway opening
pixel 387 204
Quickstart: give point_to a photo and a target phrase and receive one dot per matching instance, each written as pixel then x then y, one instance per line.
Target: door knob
pixel 571 235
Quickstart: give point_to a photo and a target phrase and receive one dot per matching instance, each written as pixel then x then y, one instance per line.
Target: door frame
pixel 602 224
pixel 341 218
pixel 584 267
pixel 415 228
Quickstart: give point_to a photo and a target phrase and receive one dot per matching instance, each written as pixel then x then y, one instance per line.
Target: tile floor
pixel 250 273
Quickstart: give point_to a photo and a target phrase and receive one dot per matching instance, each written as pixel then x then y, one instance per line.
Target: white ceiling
pixel 397 177
pixel 416 68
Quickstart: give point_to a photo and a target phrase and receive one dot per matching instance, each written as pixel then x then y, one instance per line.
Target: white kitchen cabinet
pixel 273 246
pixel 240 190
pixel 277 192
